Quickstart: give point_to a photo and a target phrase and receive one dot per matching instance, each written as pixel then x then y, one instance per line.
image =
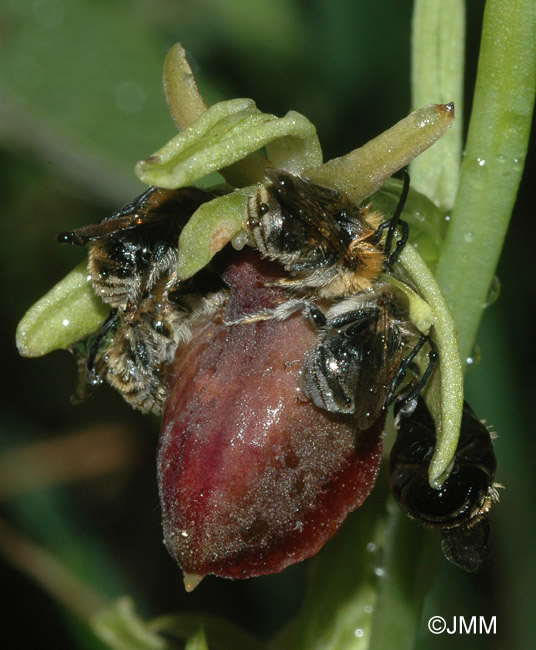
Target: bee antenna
pixel 395 221
pixel 71 237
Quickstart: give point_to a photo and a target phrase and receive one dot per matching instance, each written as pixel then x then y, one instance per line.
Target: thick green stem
pixel 491 171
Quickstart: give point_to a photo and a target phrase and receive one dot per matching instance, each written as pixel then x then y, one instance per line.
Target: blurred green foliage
pixel 80 102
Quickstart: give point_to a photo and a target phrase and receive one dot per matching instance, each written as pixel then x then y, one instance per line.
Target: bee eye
pixel 161 328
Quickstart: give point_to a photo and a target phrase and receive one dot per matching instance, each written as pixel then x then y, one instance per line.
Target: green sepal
pixel 226 133
pixel 68 313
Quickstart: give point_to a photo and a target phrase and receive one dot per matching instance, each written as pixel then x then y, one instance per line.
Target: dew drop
pixel 239 240
pixel 475 356
pixel 481 162
pixel 469 236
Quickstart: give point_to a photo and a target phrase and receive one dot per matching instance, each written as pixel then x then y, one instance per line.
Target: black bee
pixel 325 243
pixel 332 251
pixel 366 345
pixel 132 263
pixel 460 507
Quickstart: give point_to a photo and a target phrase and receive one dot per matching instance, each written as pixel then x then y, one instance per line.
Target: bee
pixel 325 243
pixel 460 508
pixel 366 345
pixel 333 253
pixel 132 263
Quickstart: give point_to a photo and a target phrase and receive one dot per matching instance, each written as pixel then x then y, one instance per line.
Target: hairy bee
pixel 324 242
pixel 366 345
pixel 333 253
pixel 132 263
pixel 460 507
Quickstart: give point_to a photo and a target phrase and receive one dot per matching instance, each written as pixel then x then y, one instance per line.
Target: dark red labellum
pixel 254 477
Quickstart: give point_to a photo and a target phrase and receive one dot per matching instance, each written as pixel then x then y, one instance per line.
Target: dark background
pixel 80 103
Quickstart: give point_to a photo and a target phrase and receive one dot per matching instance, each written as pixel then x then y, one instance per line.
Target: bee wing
pixel 153 206
pixel 467 546
pixel 351 370
pixel 382 354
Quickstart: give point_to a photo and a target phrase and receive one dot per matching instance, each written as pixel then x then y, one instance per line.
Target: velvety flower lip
pixel 253 477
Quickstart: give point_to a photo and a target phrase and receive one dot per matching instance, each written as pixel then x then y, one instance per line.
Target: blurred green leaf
pixel 53 54
pixel 220 634
pixel 197 641
pixel 77 81
pixel 122 629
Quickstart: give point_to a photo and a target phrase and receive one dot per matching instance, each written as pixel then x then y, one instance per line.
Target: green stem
pixel 437 66
pixel 491 171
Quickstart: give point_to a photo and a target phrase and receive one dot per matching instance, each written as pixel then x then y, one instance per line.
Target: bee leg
pixel 394 222
pixel 316 316
pixel 399 244
pixel 282 312
pixel 410 394
pixel 91 365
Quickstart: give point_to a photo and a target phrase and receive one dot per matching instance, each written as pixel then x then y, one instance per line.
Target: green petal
pixel 182 94
pixel 209 229
pixel 69 312
pixel 226 133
